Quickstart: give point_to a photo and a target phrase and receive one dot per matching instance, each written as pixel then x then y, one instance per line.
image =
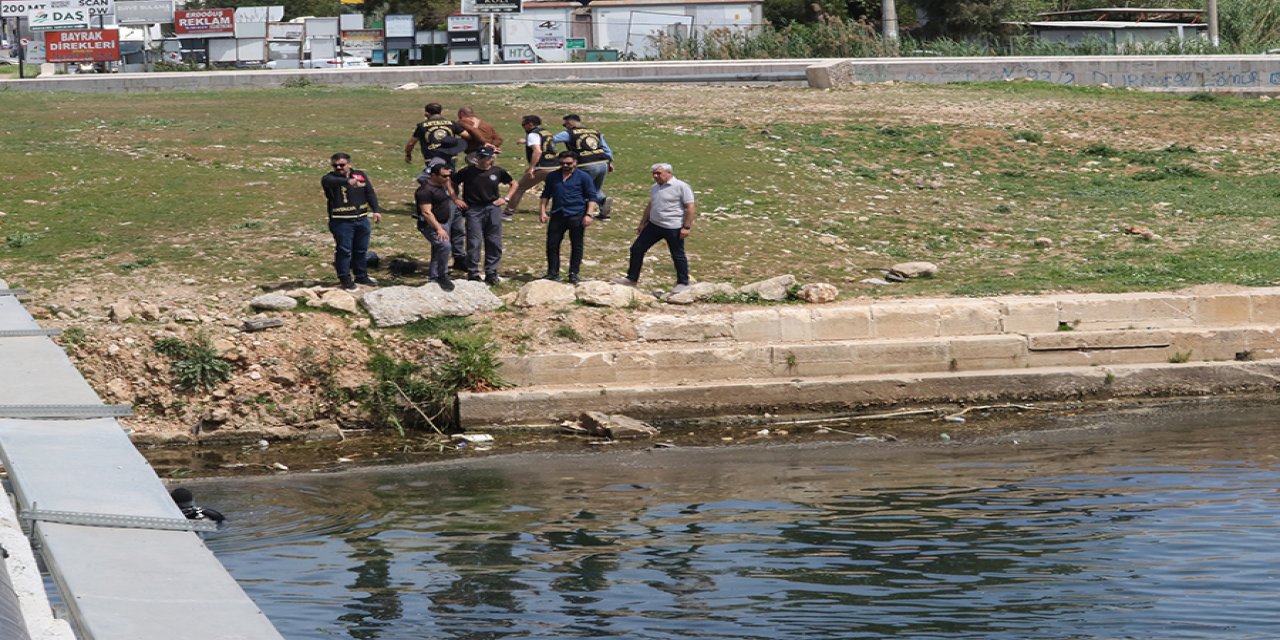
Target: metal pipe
pixel 1213 22
pixel 12 626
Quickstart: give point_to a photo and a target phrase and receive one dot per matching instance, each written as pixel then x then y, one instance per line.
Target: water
pixel 1149 525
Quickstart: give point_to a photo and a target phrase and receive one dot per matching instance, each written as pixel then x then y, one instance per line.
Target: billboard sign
pixel 204 23
pixel 57 16
pixel 87 45
pixel 362 40
pixel 97 8
pixel 490 6
pixel 463 23
pixel 21 8
pixel 399 25
pixel 144 11
pixel 286 30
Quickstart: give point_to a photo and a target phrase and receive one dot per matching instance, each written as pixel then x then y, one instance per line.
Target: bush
pixel 196 363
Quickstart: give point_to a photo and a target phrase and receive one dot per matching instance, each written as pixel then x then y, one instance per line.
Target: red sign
pixel 84 45
pixel 204 23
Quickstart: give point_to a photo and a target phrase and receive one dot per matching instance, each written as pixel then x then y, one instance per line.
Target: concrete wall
pixel 1246 74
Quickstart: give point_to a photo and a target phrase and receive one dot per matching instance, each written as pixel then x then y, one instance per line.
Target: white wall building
pixel 623 25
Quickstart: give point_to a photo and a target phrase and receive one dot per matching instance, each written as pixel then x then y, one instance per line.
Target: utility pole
pixel 1213 22
pixel 889 21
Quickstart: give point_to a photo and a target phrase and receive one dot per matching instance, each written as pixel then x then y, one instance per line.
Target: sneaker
pixel 626 282
pixel 606 207
pixel 603 216
pixel 492 279
pixel 445 282
pixel 680 288
pixel 474 277
pixel 366 280
pixel 554 277
pixel 507 217
pixel 574 279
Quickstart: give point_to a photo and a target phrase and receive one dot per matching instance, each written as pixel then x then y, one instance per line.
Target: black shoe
pixel 474 277
pixel 554 277
pixel 348 285
pixel 574 279
pixel 446 284
pixel 603 216
pixel 366 280
pixel 492 279
pixel 459 265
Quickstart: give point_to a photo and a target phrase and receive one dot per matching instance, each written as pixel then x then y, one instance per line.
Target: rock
pixel 1142 232
pixel 408 86
pixel 617 427
pixel 819 293
pixel 915 269
pixel 771 289
pixel 1043 242
pixel 149 311
pixel 121 311
pixel 700 291
pixel 606 294
pixel 223 346
pixel 259 324
pixel 273 302
pixel 217 415
pixel 340 300
pixel 185 315
pixel 544 292
pixel 874 281
pixel 395 306
pixel 118 389
pixel 284 378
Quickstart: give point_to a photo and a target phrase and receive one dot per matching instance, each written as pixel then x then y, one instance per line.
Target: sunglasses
pixel 340 165
pixel 568 164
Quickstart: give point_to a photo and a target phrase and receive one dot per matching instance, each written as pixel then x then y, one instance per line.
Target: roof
pixel 1137 14
pixel 1108 24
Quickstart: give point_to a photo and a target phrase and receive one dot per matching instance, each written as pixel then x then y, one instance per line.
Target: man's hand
pixel 442 234
pixel 684 233
pixel 588 221
pixel 542 217
pixel 408 157
pixel 610 168
pixel 377 217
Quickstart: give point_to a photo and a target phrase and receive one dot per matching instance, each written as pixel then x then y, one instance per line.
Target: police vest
pixel 587 145
pixel 435 132
pixel 548 158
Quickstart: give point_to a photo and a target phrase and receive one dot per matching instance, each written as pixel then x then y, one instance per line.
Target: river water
pixel 1149 524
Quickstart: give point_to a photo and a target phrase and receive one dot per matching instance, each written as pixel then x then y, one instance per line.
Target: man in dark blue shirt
pixel 568 205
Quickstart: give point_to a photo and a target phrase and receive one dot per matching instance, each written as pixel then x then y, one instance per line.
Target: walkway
pixel 118 548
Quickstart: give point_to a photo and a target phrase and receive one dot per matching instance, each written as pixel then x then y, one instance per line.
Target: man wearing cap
pixel 351 201
pixel 439 136
pixel 595 158
pixel 668 216
pixel 479 184
pixel 435 209
pixel 568 205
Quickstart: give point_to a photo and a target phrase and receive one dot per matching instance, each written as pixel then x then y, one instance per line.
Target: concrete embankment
pixel 857 354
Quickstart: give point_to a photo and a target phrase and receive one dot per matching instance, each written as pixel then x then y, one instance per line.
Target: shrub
pixel 196 363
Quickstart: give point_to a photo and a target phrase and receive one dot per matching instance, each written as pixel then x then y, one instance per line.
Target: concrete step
pixel 667 364
pixel 547 405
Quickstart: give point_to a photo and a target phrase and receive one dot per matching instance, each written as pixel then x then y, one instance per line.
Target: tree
pixel 965 18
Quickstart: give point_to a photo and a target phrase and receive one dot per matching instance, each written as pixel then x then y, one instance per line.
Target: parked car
pixel 339 62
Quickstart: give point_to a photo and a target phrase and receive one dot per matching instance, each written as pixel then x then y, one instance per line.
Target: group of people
pixel 460 211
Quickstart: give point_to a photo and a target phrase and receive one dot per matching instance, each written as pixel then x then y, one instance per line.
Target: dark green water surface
pixel 1161 524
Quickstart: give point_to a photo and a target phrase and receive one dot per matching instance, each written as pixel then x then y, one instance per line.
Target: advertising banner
pixel 144 11
pixel 58 16
pixel 285 31
pixel 362 40
pixel 463 23
pixel 20 8
pixel 399 25
pixel 550 35
pixel 490 6
pixel 87 45
pixel 97 8
pixel 205 23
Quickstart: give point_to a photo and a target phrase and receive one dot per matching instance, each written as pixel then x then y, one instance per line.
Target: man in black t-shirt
pixel 479 185
pixel 434 211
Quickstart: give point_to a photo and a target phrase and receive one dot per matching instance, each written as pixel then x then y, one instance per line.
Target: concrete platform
pixel 825 357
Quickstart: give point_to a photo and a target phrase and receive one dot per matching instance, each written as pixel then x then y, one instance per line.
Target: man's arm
pixel 644 217
pixel 408 148
pixel 425 210
pixel 561 137
pixel 589 190
pixel 533 140
pixel 605 145
pixel 374 207
pixel 690 212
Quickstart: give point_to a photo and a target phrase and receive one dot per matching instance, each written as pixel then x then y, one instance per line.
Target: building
pixel 1121 27
pixel 626 26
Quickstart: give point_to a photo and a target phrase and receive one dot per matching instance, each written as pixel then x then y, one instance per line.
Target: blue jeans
pixel 439 264
pixel 597 172
pixel 650 236
pixel 350 244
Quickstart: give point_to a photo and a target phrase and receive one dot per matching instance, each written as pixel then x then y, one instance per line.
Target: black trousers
pixel 556 228
pixel 651 235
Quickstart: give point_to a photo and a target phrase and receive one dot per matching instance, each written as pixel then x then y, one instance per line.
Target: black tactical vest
pixel 586 144
pixel 548 158
pixel 435 130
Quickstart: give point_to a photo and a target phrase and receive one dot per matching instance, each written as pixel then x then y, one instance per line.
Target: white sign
pixel 97 7
pixel 549 34
pixel 399 25
pixel 464 23
pixel 59 17
pixel 517 53
pixel 144 11
pixel 35 53
pixel 470 7
pixel 20 8
pixel 285 31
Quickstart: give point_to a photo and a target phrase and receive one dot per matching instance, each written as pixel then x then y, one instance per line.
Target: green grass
pixel 224 185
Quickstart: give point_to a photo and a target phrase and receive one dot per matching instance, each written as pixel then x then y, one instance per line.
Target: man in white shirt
pixel 668 216
pixel 540 152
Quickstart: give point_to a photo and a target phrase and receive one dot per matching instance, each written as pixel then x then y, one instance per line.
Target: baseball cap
pixel 484 152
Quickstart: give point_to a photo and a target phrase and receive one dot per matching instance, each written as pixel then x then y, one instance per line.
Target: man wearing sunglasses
pixel 351 201
pixel 568 204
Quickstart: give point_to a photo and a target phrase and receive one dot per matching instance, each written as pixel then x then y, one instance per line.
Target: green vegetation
pixel 196 364
pixel 410 395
